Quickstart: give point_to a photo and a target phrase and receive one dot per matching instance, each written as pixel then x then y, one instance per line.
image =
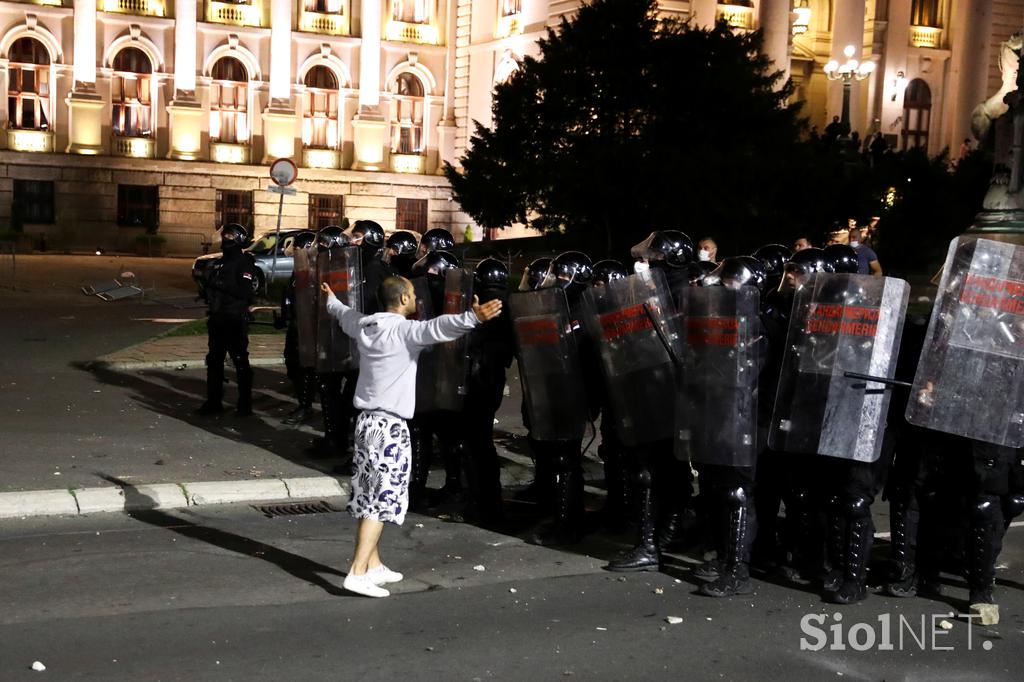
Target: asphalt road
pixel 229 594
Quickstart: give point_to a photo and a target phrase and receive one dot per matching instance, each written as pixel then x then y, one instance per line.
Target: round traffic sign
pixel 283 172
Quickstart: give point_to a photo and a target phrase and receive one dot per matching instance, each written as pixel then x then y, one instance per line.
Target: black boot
pixel 422 450
pixel 835 545
pixel 645 556
pixel 299 415
pixel 214 389
pixel 985 542
pixel 905 518
pixel 243 374
pixel 859 537
pixel 735 569
pixel 568 526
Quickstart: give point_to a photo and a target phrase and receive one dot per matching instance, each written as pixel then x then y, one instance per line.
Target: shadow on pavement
pixel 300 567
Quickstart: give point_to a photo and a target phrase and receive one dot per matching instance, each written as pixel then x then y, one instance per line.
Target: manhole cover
pixel 295 509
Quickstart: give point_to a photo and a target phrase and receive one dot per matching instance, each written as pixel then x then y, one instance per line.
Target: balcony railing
pixel 408 163
pixel 509 26
pixel 135 147
pixel 329 24
pixel 925 36
pixel 222 152
pixel 400 31
pixel 29 140
pixel 146 8
pixel 230 13
pixel 321 158
pixel 737 16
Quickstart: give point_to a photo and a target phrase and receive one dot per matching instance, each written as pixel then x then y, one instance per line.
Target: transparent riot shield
pixel 453 356
pixel 306 305
pixel 633 322
pixel 549 365
pixel 341 269
pixel 970 378
pixel 426 365
pixel 840 323
pixel 716 410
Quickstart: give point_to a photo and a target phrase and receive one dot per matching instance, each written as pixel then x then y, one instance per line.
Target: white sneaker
pixel 364 585
pixel 382 575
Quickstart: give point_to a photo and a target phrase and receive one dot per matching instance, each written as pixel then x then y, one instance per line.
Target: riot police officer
pixel 303 379
pixel 491 349
pixel 401 252
pixel 229 288
pixel 435 239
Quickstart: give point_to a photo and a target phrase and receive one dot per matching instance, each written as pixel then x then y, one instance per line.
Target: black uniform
pixel 228 290
pixel 303 379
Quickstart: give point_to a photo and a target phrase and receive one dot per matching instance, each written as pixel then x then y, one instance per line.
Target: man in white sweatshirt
pixel 389 346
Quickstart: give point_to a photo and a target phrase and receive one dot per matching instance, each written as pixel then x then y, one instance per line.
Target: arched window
pixel 320 117
pixel 229 121
pixel 28 87
pixel 131 93
pixel 917 113
pixel 407 115
pixel 411 11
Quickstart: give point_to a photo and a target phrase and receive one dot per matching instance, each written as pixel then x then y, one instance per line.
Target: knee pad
pixel 736 497
pixel 1013 506
pixel 857 507
pixel 985 509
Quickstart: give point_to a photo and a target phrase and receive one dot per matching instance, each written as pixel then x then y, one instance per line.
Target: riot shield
pixel 633 320
pixel 549 367
pixel 341 269
pixel 970 378
pixel 716 410
pixel 840 323
pixel 453 356
pixel 306 305
pixel 426 364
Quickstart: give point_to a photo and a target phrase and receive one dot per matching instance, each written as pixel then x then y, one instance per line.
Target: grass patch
pixel 198 327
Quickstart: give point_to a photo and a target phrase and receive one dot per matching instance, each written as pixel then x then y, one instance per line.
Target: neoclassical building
pixel 124 115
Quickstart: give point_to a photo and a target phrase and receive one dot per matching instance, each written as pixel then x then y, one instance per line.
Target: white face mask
pixel 854 244
pixel 704 255
pixel 641 266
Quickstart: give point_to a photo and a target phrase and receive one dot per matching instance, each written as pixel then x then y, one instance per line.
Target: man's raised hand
pixel 486 311
pixel 326 290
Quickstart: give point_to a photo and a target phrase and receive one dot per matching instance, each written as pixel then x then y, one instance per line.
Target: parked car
pixel 262 251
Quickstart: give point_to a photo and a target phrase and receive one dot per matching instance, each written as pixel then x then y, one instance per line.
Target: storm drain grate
pixel 295 509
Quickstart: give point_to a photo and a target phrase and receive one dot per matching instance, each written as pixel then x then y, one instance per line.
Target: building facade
pixel 128 115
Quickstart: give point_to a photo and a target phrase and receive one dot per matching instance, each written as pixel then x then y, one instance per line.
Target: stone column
pixel 847 29
pixel 703 12
pixel 446 126
pixel 369 126
pixel 185 112
pixel 972 50
pixel 85 107
pixel 774 21
pixel 280 123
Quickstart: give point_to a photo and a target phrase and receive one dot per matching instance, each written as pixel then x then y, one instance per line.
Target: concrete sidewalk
pixel 189 352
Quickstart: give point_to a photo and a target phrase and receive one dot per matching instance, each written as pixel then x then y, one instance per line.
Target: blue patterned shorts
pixel 381 468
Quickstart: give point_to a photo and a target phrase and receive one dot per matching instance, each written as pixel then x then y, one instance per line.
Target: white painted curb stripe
pixel 167 496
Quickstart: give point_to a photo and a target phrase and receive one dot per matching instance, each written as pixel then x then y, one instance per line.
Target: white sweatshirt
pixel 389 346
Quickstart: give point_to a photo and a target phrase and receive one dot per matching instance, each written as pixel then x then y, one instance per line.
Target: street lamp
pixel 847 72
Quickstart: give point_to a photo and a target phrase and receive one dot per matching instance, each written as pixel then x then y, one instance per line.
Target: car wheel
pixel 259 281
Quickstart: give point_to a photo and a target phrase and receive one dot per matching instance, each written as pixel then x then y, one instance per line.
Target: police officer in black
pixel 491 349
pixel 400 251
pixel 229 287
pixel 304 381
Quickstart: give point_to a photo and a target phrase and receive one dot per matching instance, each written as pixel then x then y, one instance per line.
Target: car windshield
pixel 264 244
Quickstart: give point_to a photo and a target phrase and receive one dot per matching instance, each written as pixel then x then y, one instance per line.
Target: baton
pixel 877 380
pixel 661 337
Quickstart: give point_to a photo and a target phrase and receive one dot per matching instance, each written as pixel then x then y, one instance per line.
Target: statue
pixel 995 106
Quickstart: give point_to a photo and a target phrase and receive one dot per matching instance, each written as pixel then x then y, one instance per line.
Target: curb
pixel 81 501
pixel 200 363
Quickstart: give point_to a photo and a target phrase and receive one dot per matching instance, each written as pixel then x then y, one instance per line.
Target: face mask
pixel 854 244
pixel 704 255
pixel 641 267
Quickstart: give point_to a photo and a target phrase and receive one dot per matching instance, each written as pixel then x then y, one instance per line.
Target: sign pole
pixel 277 244
pixel 283 173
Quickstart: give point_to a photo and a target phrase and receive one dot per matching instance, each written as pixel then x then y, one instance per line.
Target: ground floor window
pixel 32 203
pixel 234 206
pixel 138 206
pixel 324 210
pixel 412 215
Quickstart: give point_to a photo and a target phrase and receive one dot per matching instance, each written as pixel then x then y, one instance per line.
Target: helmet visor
pixel 649 249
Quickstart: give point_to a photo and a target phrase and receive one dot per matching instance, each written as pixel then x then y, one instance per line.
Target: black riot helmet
pixel 843 257
pixel 435 239
pixel 534 274
pixel 803 263
pixel 402 243
pixel 233 236
pixel 490 274
pixel 331 237
pixel 696 271
pixel 570 270
pixel 736 272
pixel 300 240
pixel 773 257
pixel 606 271
pixel 434 265
pixel 665 247
pixel 366 234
